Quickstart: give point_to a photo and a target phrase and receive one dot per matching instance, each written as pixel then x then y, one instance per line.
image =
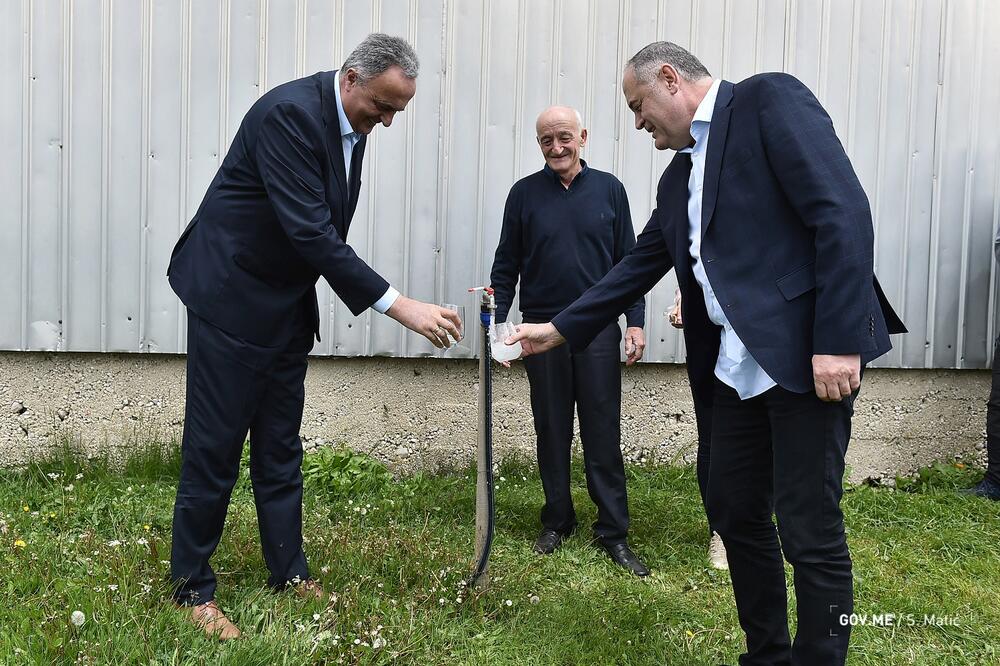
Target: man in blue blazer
pixel 274 220
pixel 770 234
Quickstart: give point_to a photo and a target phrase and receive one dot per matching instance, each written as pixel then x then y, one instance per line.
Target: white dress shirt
pixel 348 139
pixel 736 367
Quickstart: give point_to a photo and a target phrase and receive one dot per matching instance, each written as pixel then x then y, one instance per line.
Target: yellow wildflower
pixel 20 544
pixel 26 508
pixel 146 527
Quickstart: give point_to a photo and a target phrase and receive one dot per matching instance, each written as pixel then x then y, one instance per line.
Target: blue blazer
pixel 787 243
pixel 274 219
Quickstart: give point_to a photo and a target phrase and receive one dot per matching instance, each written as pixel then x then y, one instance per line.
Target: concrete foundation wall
pixel 421 413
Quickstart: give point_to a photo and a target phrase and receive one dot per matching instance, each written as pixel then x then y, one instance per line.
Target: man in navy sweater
pixel 564 227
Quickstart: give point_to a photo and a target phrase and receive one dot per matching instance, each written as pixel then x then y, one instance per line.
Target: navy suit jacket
pixel 787 243
pixel 274 219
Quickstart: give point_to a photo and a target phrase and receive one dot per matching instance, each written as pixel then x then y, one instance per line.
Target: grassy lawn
pixel 84 536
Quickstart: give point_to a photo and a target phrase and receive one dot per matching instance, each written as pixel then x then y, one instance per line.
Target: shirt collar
pixel 703 115
pixel 552 174
pixel 345 125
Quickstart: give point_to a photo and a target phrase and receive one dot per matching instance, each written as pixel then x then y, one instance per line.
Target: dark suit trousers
pixel 590 379
pixel 993 421
pixel 234 386
pixel 783 451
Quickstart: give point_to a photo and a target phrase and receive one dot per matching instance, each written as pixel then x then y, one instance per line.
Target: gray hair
pixel 377 53
pixel 651 57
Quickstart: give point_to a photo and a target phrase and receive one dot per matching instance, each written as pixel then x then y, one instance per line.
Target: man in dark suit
pixel 766 224
pixel 274 220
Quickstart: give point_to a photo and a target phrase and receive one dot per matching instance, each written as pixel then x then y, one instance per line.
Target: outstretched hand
pixel 431 321
pixel 536 338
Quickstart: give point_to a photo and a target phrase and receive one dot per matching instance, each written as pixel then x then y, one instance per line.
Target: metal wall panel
pixel 115 115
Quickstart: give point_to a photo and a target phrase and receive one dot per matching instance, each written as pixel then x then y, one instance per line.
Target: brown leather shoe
pixel 210 618
pixel 310 589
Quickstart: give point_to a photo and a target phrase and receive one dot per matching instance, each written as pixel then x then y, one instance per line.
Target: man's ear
pixel 352 76
pixel 669 76
pixel 583 138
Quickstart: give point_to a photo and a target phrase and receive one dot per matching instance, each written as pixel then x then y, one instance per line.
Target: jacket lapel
pixel 331 118
pixel 713 157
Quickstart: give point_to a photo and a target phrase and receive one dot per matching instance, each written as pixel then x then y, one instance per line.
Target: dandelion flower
pixel 147 527
pixel 20 544
pixel 534 599
pixel 26 508
pixel 77 618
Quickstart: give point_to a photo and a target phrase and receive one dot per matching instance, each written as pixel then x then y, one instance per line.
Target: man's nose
pixel 639 122
pixel 387 118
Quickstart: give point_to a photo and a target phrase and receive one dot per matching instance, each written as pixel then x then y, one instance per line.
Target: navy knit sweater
pixel 560 242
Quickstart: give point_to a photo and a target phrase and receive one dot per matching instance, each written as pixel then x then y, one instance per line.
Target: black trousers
pixel 591 380
pixel 993 421
pixel 234 386
pixel 783 452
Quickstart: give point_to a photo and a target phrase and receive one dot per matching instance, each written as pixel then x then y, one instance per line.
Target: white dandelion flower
pixel 77 618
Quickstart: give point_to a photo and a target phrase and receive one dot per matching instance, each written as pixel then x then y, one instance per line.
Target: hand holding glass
pixel 502 351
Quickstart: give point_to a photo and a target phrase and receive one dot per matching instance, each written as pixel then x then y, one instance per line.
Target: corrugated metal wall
pixel 114 115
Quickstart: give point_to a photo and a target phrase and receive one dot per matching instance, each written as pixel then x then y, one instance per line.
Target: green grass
pixel 395 554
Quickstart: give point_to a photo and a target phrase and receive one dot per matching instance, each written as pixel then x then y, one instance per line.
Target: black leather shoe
pixel 547 542
pixel 623 556
pixel 984 488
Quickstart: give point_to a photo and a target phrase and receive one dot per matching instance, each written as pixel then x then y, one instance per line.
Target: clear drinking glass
pixel 460 310
pixel 500 350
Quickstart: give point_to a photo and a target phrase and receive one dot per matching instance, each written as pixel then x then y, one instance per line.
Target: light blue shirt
pixel 736 367
pixel 348 139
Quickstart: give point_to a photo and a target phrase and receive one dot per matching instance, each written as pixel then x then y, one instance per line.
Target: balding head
pixel 558 114
pixel 560 134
